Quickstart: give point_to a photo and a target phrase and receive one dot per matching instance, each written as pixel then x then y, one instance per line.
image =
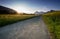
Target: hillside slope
pixel 5 10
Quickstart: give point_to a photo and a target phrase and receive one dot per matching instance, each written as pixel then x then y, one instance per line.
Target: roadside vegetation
pixel 52 19
pixel 6 19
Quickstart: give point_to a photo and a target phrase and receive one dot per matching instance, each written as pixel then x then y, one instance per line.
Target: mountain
pixel 5 10
pixel 39 12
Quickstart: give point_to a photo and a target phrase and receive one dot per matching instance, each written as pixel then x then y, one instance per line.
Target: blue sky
pixel 31 5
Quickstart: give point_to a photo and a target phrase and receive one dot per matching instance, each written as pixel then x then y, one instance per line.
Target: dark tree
pixel 52 10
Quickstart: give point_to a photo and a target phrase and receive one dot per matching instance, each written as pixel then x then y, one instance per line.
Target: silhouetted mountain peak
pixel 37 12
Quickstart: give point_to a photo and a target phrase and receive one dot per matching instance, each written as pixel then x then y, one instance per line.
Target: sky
pixel 30 6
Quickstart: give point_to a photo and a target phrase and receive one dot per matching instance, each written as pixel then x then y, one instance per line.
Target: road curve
pixel 29 29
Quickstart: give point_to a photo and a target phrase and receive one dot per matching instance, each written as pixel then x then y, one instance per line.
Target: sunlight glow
pixel 22 9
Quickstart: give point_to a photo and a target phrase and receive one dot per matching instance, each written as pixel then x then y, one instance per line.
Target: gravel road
pixel 33 28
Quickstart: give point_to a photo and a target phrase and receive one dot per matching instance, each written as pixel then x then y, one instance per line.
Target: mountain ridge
pixel 6 10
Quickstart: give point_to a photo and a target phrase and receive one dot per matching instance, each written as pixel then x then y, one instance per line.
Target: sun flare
pixel 22 9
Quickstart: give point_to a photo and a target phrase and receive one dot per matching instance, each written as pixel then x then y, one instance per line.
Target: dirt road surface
pixel 29 29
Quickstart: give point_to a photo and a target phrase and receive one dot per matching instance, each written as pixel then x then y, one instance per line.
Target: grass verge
pixel 52 19
pixel 6 19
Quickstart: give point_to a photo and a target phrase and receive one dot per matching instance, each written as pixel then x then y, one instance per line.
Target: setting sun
pixel 22 9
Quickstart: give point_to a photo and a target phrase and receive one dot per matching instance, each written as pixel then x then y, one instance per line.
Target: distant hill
pixel 5 10
pixel 39 12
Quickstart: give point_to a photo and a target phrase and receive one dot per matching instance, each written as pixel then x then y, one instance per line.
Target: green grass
pixel 6 19
pixel 52 19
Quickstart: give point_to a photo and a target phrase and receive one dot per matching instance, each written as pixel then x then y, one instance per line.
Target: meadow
pixel 52 20
pixel 6 19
